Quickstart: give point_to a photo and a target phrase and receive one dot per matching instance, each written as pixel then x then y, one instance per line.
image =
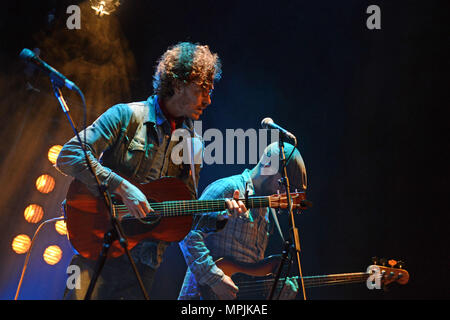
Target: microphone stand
pixel 116 231
pixel 289 244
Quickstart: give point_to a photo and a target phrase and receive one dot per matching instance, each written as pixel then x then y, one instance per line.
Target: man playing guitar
pixel 132 143
pixel 243 240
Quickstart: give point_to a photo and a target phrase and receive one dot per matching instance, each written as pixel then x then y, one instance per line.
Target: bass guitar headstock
pixel 388 271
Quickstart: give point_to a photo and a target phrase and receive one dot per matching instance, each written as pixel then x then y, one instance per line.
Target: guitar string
pixel 201 204
pixel 188 207
pixel 263 289
pixel 318 281
pixel 258 287
pixel 315 283
pixel 314 279
pixel 263 285
pixel 182 204
pixel 174 209
pixel 186 204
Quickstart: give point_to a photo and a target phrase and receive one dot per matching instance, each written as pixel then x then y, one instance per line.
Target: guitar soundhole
pixel 133 226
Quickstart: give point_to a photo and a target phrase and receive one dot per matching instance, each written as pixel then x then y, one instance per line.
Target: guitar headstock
pixel 392 272
pixel 298 201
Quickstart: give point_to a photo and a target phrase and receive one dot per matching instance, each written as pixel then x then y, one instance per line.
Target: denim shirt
pixel 132 140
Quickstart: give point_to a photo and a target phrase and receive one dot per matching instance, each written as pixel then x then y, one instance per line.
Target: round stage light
pixel 52 255
pixel 60 227
pixel 21 243
pixel 33 213
pixel 104 7
pixel 53 153
pixel 45 183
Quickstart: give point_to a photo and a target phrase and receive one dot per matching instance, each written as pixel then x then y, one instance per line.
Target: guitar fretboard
pixel 189 207
pixel 263 286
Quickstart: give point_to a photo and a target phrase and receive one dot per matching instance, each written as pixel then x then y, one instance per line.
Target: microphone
pixel 55 75
pixel 267 123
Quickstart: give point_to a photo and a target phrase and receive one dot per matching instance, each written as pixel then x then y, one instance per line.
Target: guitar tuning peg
pixel 392 263
pixel 375 260
pixel 278 192
pixel 400 264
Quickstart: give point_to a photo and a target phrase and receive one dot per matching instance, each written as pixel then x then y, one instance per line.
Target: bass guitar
pixel 255 280
pixel 88 219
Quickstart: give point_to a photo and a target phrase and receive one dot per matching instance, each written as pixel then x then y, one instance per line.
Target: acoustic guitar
pixel 88 219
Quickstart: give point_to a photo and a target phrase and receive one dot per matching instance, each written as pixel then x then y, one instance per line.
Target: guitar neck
pixel 252 286
pixel 189 207
pixel 334 279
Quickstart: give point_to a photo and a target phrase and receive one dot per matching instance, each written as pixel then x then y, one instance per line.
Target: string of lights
pixel 34 213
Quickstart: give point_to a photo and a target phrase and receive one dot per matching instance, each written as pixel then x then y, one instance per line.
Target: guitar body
pixel 245 275
pixel 87 218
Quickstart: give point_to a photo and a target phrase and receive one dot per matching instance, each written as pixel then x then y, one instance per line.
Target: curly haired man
pixel 134 140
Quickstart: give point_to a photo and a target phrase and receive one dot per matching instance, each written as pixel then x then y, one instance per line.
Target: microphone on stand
pixel 267 123
pixel 55 75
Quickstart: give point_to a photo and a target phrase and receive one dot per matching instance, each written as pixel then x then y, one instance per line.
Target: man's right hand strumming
pixel 225 289
pixel 134 199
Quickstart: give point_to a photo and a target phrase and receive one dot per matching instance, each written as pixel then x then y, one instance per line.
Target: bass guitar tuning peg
pixel 392 263
pixel 379 261
pixel 375 260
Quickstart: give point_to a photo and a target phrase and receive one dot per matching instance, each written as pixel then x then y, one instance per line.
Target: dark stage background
pixel 366 105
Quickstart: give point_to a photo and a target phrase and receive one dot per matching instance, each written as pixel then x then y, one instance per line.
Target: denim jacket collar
pixel 156 116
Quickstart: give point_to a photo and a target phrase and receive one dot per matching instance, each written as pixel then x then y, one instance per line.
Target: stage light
pixel 61 227
pixel 33 213
pixel 45 183
pixel 52 255
pixel 53 153
pixel 21 243
pixel 104 7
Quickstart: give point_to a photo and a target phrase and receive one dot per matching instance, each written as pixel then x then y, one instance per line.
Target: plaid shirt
pixel 243 239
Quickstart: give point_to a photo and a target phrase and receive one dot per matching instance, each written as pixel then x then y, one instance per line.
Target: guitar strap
pixel 113 157
pixel 137 119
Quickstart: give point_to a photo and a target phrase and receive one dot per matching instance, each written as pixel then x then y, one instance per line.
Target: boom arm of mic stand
pixel 103 190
